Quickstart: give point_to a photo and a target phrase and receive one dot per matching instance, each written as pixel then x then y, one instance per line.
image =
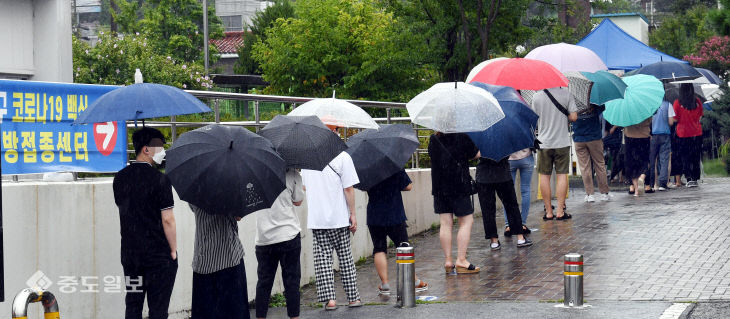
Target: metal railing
pixel 214 98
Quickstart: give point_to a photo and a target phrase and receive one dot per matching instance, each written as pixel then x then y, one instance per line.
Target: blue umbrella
pixel 710 76
pixel 606 87
pixel 642 98
pixel 513 133
pixel 141 101
pixel 668 71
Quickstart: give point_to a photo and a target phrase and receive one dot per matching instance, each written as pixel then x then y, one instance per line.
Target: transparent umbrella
pixel 455 107
pixel 336 112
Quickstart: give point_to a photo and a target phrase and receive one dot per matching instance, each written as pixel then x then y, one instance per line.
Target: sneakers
pixel 495 246
pixel 589 199
pixel 661 188
pixel 672 186
pixel 692 184
pixel 421 285
pixel 384 289
pixel 606 197
pixel 524 243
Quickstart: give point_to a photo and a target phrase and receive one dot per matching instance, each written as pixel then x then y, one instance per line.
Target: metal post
pixel 387 112
pixel 173 129
pixel 406 269
pixel 205 33
pixel 217 111
pixel 31 295
pixel 573 280
pixel 256 114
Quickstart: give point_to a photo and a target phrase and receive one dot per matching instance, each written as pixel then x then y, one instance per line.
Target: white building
pixel 236 14
pixel 635 24
pixel 36 40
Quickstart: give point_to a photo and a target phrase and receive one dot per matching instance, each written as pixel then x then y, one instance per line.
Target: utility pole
pixel 205 34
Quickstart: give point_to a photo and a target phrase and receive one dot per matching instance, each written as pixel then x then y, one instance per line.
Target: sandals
pixel 544 217
pixel 467 270
pixel 564 217
pixel 383 291
pixel 422 286
pixel 328 307
pixel 355 304
pixel 449 269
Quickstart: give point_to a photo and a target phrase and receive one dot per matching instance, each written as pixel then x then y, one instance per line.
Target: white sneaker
pixel 661 188
pixel 672 185
pixel 606 197
pixel 589 199
pixel 692 184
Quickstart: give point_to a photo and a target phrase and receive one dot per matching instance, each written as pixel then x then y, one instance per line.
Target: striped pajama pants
pixel 325 241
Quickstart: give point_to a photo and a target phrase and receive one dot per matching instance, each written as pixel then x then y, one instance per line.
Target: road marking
pixel 674 311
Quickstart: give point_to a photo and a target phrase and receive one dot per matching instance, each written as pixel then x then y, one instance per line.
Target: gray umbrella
pixel 303 141
pixel 378 154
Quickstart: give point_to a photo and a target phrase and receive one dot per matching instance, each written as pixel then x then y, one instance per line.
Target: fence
pixel 215 100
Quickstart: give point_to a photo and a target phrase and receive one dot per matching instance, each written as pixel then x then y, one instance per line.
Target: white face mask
pixel 159 156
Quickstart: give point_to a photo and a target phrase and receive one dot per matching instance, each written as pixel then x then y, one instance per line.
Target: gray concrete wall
pixel 72 229
pixel 36 38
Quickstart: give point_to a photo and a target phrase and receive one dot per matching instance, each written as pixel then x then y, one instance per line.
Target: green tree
pixel 615 6
pixel 680 34
pixel 173 27
pixel 721 18
pixel 262 21
pixel 353 47
pixel 114 60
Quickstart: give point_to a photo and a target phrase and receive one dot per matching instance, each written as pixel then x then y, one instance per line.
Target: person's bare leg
pixel 546 195
pixel 462 239
pixel 447 224
pixel 561 183
pixel 634 185
pixel 381 266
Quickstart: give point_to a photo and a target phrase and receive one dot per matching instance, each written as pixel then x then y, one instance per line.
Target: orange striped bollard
pixel 573 280
pixel 406 267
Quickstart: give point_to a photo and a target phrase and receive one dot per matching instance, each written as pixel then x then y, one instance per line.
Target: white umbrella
pixel 479 67
pixel 336 112
pixel 455 107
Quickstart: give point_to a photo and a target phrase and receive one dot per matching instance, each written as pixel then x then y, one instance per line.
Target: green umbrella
pixel 606 87
pixel 642 98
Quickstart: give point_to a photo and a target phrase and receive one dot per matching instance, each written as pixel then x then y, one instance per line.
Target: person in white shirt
pixel 331 209
pixel 278 243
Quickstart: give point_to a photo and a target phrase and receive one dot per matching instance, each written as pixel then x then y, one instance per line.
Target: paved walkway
pixel 667 246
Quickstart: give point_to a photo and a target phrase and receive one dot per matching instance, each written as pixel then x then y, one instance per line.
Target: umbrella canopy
pixel 642 98
pixel 669 71
pixel 568 57
pixel 606 87
pixel 480 66
pixel 455 108
pixel 580 89
pixel 303 141
pixel 141 101
pixel 521 74
pixel 378 154
pixel 705 92
pixel 226 170
pixel 515 132
pixel 711 77
pixel 336 112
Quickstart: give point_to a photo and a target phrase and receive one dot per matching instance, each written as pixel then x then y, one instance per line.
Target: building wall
pixel 245 8
pixel 36 37
pixel 634 26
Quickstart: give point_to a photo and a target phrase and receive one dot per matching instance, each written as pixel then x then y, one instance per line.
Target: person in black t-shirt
pixel 451 186
pixel 387 218
pixel 147 224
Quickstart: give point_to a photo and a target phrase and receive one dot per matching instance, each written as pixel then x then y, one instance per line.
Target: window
pixel 232 23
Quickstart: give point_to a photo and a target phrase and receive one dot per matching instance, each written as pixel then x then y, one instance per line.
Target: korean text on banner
pixel 37 135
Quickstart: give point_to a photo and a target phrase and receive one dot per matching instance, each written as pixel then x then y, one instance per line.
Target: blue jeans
pixel 661 145
pixel 525 166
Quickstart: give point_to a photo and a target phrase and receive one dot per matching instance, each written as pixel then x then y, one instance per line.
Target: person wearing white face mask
pixel 147 226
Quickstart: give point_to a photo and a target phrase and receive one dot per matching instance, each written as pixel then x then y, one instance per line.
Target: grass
pixel 714 168
pixel 277 300
pixel 424 302
pixel 361 261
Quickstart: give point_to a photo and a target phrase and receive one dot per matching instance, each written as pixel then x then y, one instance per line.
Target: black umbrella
pixel 303 141
pixel 672 92
pixel 378 154
pixel 226 170
pixel 669 71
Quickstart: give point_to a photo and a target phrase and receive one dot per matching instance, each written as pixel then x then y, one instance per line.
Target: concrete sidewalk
pixel 664 247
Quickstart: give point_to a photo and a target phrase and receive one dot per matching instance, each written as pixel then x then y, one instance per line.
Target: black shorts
pixel 459 205
pixel 379 234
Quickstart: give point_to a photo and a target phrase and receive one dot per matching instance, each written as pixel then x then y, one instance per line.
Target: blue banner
pixel 37 135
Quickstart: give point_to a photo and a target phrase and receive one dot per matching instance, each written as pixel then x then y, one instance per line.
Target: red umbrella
pixel 521 74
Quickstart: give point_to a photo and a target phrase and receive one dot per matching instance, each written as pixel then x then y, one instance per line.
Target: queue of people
pixel 148 230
